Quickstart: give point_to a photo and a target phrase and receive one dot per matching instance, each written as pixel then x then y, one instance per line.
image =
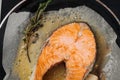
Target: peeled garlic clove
pixel 91 77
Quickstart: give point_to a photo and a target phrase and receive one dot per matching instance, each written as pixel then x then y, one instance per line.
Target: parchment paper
pixel 13 32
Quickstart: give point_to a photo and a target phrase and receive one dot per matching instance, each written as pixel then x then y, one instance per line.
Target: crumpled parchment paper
pixel 13 32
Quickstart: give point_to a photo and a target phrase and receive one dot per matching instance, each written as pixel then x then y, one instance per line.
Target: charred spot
pixel 19 60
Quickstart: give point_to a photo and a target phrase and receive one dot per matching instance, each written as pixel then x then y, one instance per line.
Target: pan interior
pixel 99 26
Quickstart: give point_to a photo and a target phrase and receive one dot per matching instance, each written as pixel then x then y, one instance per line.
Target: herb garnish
pixel 35 23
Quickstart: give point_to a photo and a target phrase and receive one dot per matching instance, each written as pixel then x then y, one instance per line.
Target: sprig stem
pixel 34 22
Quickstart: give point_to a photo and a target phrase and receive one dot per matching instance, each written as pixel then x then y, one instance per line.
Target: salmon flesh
pixel 74 44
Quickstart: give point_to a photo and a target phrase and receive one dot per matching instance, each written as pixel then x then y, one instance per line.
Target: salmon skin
pixel 74 44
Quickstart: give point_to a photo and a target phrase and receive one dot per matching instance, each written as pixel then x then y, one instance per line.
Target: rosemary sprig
pixel 34 23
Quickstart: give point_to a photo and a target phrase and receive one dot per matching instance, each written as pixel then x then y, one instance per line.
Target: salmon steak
pixel 74 44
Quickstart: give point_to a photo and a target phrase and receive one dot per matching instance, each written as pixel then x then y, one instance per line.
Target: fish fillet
pixel 73 44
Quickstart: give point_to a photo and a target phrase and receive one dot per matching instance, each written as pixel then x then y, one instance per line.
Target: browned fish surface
pixel 75 45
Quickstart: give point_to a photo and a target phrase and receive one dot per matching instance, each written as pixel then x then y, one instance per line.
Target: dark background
pixel 114 5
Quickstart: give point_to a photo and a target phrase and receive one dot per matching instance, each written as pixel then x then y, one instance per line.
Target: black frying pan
pixel 31 5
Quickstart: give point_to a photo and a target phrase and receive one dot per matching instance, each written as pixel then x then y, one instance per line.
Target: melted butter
pixel 102 50
pixel 22 66
pixel 58 72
